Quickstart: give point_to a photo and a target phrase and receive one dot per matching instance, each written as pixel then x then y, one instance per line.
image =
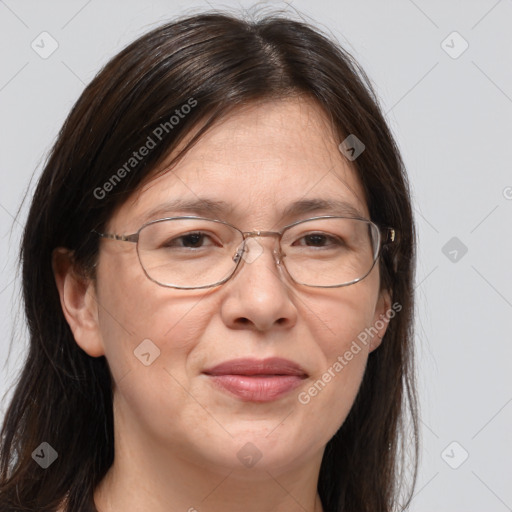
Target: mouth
pixel 255 380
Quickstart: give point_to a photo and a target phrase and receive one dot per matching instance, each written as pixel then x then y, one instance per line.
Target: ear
pixel 78 301
pixel 381 318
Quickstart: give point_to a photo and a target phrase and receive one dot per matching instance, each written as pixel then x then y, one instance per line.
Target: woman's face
pixel 258 162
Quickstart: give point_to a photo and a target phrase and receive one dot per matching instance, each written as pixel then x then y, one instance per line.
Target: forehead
pixel 264 164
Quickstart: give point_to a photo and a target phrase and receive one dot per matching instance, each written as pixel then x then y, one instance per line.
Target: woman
pixel 218 278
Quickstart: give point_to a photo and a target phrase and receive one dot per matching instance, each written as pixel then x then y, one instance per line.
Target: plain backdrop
pixel 443 73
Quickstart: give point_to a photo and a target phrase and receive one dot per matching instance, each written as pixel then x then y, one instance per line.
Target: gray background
pixel 452 117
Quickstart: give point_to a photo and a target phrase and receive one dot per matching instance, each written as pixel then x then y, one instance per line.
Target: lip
pixel 256 380
pixel 250 366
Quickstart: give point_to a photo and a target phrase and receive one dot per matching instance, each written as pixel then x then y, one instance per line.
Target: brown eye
pixel 190 240
pixel 320 240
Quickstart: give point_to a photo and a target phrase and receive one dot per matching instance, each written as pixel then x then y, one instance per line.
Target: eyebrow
pixel 208 207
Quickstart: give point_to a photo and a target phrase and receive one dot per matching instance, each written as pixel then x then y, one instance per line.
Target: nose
pixel 259 295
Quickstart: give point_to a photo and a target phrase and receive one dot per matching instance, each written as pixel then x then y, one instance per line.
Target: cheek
pixel 340 324
pixel 137 317
pixel 149 332
pixel 340 319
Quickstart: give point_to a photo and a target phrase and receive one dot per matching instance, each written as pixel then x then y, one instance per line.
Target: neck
pixel 194 491
pixel 148 475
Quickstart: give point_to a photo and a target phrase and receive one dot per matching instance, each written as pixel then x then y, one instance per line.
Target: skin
pixel 176 435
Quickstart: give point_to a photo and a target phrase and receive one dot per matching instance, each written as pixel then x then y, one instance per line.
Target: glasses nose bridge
pixel 276 252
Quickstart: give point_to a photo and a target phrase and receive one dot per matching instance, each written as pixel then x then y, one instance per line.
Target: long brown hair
pixel 63 396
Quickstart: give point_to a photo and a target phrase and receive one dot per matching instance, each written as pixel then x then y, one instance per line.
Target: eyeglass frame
pixel 389 232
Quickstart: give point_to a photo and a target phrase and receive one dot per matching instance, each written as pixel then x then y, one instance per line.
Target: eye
pixel 319 240
pixel 193 240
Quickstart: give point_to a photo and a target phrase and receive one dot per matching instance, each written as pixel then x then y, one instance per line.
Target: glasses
pixel 196 252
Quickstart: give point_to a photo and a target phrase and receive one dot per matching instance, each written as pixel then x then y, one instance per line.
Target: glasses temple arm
pixel 112 236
